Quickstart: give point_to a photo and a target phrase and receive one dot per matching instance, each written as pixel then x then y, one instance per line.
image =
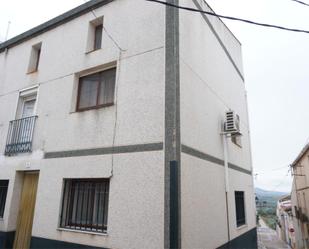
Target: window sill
pixel 95 108
pixel 32 72
pixel 80 231
pixel 242 227
pixel 91 51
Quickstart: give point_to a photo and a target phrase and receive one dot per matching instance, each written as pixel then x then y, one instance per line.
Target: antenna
pixel 7 31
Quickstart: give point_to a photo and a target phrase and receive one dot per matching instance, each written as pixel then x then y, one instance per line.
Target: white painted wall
pixel 203 222
pixel 136 200
pixel 136 193
pixel 210 86
pixel 140 92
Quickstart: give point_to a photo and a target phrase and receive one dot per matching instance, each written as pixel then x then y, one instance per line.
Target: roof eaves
pixel 229 30
pixel 300 155
pixel 53 23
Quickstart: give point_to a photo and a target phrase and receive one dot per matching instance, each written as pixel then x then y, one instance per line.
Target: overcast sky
pixel 276 71
pixel 277 75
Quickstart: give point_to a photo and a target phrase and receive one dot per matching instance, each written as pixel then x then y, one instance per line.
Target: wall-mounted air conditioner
pixel 232 123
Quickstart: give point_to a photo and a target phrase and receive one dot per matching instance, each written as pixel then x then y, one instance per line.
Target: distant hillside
pixel 270 197
pixel 267 193
pixel 267 204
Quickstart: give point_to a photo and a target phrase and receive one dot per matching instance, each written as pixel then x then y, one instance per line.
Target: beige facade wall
pixel 296 223
pixel 300 199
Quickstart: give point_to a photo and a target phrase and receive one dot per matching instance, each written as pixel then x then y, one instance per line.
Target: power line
pixel 278 185
pixel 267 171
pixel 108 34
pixel 297 1
pixel 113 40
pixel 280 168
pixel 232 18
pixel 282 182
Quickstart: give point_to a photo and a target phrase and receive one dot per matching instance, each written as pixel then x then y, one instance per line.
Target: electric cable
pixel 116 92
pixel 270 170
pixel 303 3
pixel 108 34
pixel 231 18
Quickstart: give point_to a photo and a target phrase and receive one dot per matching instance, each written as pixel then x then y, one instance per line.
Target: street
pixel 268 239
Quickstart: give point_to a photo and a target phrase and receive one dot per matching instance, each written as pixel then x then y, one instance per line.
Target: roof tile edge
pixel 223 23
pixel 300 155
pixel 53 23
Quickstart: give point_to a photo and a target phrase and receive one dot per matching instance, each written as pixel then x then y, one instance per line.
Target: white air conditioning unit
pixel 232 123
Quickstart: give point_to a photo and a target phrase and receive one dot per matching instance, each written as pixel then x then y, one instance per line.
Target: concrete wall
pixel 211 82
pixel 136 191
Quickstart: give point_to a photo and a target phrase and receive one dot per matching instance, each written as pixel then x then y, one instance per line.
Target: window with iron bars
pixel 240 208
pixel 85 205
pixel 3 192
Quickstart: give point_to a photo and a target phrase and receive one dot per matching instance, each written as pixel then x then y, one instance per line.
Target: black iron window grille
pixel 85 205
pixel 20 134
pixel 240 208
pixel 3 192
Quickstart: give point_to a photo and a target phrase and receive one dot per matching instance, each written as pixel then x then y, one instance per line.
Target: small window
pixel 35 58
pixel 95 32
pixel 236 139
pixel 96 90
pixel 3 192
pixel 296 210
pixel 240 208
pixel 85 205
pixel 98 37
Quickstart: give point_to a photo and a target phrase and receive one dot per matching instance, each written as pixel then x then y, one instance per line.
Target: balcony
pixel 19 139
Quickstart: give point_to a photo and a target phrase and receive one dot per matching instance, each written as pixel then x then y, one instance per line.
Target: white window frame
pixel 24 95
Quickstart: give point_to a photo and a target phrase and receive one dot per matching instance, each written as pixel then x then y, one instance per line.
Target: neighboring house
pixel 285 227
pixel 111 131
pixel 300 198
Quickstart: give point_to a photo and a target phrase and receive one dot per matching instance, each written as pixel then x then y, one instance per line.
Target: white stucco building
pixel 111 131
pixel 284 227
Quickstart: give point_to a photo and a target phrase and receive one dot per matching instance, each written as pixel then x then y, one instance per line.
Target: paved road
pixel 268 238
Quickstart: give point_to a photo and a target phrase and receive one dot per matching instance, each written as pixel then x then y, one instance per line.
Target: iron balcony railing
pixel 19 139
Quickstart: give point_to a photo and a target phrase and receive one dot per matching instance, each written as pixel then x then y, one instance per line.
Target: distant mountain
pixel 270 198
pixel 267 193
